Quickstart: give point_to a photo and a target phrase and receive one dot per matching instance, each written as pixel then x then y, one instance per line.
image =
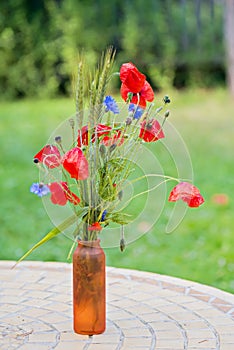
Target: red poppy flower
pixel 49 155
pixel 187 193
pixel 76 164
pixel 60 194
pixel 151 131
pixel 135 82
pixel 131 77
pixel 117 139
pixel 83 134
pixel 95 227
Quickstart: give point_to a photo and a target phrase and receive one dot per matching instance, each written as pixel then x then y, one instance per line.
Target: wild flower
pixel 39 189
pixel 93 171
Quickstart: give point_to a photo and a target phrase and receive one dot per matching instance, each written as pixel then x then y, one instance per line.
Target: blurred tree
pixel 229 36
pixel 178 43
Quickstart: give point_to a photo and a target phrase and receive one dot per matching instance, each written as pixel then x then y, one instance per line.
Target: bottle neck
pixel 91 244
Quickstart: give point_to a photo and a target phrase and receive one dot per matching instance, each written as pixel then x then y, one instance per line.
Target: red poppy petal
pixel 147 136
pixel 57 193
pixel 107 141
pixel 50 156
pixel 147 92
pixel 188 193
pixel 83 136
pixel 117 139
pixel 82 168
pixel 196 201
pixel 157 130
pixel 39 155
pixel 131 77
pixel 139 100
pixel 102 129
pixel 183 189
pixel 71 197
pixel 124 90
pixel 76 164
pixel 95 227
pixel 151 131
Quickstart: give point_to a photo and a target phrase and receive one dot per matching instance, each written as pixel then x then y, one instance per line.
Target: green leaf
pixel 54 232
pixel 120 218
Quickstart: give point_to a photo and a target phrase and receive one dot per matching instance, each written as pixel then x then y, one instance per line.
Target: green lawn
pixel 201 247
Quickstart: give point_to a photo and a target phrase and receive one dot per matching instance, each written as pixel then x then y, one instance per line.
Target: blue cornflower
pixel 111 105
pixel 136 110
pixel 39 189
pixel 104 215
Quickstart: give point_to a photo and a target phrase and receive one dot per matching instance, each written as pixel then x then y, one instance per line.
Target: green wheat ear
pixel 99 83
pixel 80 93
pixel 92 86
pixel 104 76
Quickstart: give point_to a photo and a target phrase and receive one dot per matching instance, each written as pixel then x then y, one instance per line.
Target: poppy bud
pixel 112 147
pixel 129 120
pixel 166 115
pixel 159 109
pixel 71 122
pixel 122 244
pixel 58 139
pixel 166 99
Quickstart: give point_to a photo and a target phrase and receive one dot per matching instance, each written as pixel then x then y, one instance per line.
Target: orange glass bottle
pixel 89 291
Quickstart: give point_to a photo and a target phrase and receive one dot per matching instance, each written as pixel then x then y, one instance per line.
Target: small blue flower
pixel 104 215
pixel 39 189
pixel 111 105
pixel 136 110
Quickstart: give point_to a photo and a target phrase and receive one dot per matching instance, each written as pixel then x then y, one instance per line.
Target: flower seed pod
pixel 58 139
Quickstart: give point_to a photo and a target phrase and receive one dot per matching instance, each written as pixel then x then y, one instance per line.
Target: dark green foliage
pixel 173 42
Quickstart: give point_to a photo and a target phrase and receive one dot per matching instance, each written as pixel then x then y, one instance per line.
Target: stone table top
pixel 144 311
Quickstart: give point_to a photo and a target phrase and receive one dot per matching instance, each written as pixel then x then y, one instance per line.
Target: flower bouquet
pixel 89 174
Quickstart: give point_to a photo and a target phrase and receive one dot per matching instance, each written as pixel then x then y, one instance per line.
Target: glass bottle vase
pixel 89 292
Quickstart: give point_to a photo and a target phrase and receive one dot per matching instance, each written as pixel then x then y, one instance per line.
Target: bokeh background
pixel 186 49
